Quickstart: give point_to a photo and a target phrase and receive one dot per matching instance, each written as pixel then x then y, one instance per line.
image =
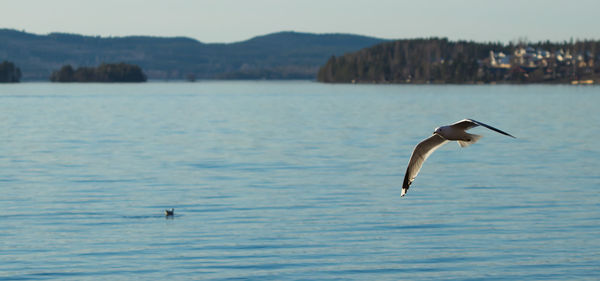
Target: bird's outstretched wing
pixel 466 124
pixel 419 155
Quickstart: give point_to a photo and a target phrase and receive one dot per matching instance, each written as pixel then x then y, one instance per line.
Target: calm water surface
pixel 296 180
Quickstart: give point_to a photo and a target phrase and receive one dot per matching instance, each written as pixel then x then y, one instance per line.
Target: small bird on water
pixel 441 135
pixel 170 212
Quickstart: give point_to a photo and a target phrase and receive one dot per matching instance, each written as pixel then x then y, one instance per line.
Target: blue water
pixel 296 180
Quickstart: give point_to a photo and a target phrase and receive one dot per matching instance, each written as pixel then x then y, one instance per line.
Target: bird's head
pixel 438 130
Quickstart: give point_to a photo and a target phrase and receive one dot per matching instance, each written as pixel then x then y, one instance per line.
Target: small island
pixel 9 73
pixel 106 72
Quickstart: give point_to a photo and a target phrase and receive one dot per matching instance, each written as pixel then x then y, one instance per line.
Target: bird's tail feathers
pixel 472 138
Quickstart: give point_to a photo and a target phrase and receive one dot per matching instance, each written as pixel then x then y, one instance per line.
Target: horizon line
pixel 514 41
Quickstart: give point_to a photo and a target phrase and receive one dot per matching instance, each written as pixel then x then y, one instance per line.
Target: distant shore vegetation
pixel 9 72
pixel 105 72
pixel 440 61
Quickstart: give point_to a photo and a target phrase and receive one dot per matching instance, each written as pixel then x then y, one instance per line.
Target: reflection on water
pixel 295 180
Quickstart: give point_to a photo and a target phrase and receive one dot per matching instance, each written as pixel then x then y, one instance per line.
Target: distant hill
pixel 283 55
pixel 439 60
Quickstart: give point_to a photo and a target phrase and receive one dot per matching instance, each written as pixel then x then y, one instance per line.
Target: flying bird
pixel 441 135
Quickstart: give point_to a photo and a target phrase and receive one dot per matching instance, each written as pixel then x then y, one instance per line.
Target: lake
pixel 296 180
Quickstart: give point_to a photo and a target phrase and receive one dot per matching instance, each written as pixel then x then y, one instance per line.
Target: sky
pixel 224 21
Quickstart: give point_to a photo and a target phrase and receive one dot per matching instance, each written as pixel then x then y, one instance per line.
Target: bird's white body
pixel 441 135
pixel 456 134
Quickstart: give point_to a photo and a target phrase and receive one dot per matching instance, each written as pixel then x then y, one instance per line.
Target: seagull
pixel 170 212
pixel 441 135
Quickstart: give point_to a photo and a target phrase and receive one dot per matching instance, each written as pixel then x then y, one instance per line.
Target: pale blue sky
pixel 236 20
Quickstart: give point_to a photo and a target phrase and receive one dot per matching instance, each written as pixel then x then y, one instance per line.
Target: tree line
pixel 438 60
pixel 105 72
pixel 9 73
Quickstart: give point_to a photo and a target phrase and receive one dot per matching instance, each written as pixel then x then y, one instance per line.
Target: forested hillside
pixel 438 60
pixel 277 56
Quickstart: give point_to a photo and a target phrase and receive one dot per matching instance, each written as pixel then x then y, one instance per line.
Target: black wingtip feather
pixel 492 128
